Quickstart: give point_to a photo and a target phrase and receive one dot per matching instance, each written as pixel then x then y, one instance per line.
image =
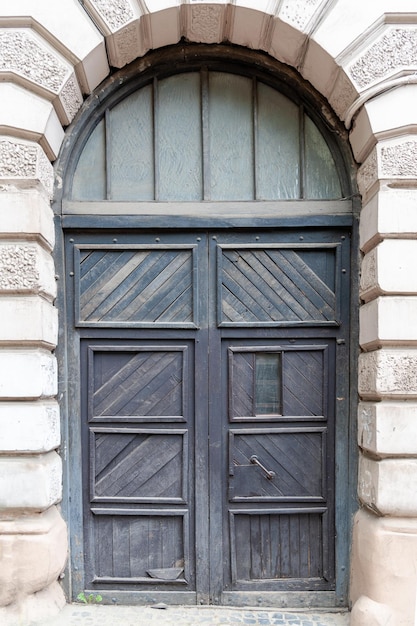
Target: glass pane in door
pixel 267 383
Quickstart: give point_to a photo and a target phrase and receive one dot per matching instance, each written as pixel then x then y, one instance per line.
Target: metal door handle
pixel 255 461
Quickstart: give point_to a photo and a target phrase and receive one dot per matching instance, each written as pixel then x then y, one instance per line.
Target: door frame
pixel 344 443
pixel 110 215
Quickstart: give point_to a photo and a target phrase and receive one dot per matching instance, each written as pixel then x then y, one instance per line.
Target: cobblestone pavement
pixel 76 615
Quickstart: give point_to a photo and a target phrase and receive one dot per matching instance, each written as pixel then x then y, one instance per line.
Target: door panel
pixel 208 409
pixel 129 547
pixel 137 383
pixel 138 465
pixel 302 375
pixel 277 464
pixel 278 284
pixel 280 549
pixel 135 285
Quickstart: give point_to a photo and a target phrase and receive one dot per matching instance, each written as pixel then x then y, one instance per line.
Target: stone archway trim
pixel 362 58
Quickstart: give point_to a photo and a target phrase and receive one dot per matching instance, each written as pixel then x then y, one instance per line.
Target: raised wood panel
pixel 278 547
pixel 273 285
pixel 135 285
pixel 296 458
pixel 138 466
pixel 302 382
pixel 127 547
pixel 136 382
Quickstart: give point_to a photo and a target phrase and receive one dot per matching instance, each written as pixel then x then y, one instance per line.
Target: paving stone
pixel 99 615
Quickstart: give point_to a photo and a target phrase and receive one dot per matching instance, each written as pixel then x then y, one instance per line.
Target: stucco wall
pixel 362 56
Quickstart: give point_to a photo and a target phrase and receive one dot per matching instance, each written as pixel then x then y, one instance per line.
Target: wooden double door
pixel 209 367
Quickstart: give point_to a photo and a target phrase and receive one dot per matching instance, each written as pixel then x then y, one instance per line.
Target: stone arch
pixel 363 61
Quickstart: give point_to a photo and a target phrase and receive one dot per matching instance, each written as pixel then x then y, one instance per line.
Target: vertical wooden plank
pixel 205 157
pixel 265 546
pixel 137 564
pixel 277 146
pixel 275 546
pixel 199 460
pixel 284 539
pixel 179 142
pixel 294 545
pixel 255 108
pixel 231 133
pixel 104 542
pixel 302 149
pixel 130 148
pixel 89 182
pixel 322 180
pixel 121 547
pixel 304 549
pixel 155 123
pixel 255 546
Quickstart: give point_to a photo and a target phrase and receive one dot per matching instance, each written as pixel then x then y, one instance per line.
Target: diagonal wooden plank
pixel 123 294
pixel 135 380
pixel 101 304
pixel 293 288
pixel 313 288
pixel 128 473
pixel 303 383
pixel 254 283
pixel 241 384
pixel 103 277
pixel 153 283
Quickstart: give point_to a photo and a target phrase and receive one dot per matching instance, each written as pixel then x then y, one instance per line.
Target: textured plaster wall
pixel 362 57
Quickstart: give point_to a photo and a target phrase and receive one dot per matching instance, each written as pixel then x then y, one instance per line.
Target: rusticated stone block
pixel 390 160
pixel 388 428
pixel 25 161
pixel 27 374
pixel 26 267
pixel 388 373
pixel 28 320
pixel 41 476
pixel 29 427
pixel 33 553
pixel 395 49
pixel 36 608
pixel 389 269
pixel 390 213
pixel 383 570
pixel 388 486
pixel 388 320
pixel 26 212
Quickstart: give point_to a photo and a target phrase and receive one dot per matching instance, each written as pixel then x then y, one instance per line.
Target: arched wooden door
pixel 207 255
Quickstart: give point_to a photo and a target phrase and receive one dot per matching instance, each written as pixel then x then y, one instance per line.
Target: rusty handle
pixel 255 461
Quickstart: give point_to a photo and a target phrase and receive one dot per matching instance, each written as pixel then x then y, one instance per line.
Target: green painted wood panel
pixel 230 137
pixel 206 136
pixel 178 138
pixel 321 178
pixel 130 146
pixel 89 181
pixel 277 146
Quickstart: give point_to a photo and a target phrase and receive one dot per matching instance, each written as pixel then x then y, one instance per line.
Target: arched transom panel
pixel 205 135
